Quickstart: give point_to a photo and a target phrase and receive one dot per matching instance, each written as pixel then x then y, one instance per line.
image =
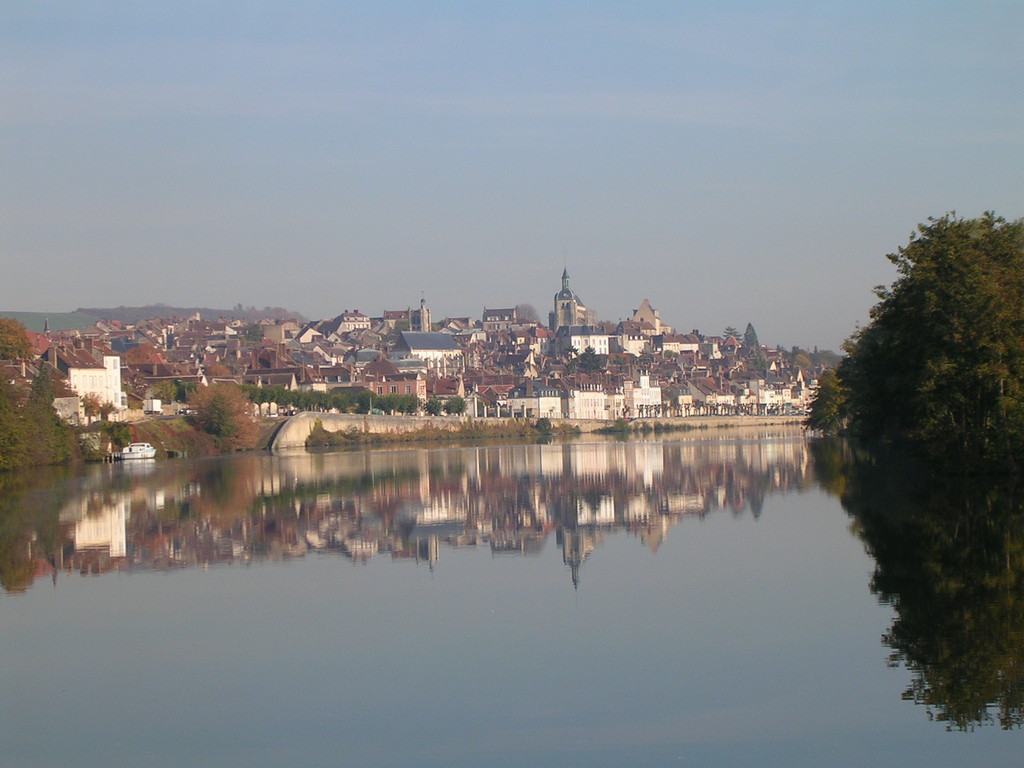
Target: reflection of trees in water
pixel 950 561
pixel 509 497
pixel 30 535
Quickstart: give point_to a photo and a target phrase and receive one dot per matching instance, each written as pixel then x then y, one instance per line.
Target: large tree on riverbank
pixel 941 364
pixel 223 410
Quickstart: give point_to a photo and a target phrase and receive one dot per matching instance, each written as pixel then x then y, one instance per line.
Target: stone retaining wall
pixel 294 431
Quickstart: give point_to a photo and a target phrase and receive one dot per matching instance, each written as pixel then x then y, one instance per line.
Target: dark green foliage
pixel 949 560
pixel 469 429
pixel 829 410
pixel 31 432
pixel 173 391
pixel 304 400
pixel 119 433
pixel 396 403
pixel 759 362
pixel 455 406
pixel 589 361
pixel 53 441
pixel 750 337
pixel 342 401
pixel 434 407
pixel 13 428
pixel 941 364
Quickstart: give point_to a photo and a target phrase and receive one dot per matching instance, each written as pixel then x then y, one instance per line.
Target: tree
pixel 527 313
pixel 14 343
pixel 730 331
pixel 750 337
pixel 222 410
pixel 941 364
pixel 165 391
pixel 433 406
pixel 590 362
pixel 455 406
pixel 52 440
pixel 828 411
pixel 14 430
pixel 117 432
pixel 31 432
pixel 217 368
pixel 91 406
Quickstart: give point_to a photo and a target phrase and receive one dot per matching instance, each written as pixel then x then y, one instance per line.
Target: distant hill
pixel 59 321
pixel 133 315
pixel 87 316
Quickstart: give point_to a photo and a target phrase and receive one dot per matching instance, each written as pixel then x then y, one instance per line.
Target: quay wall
pixel 294 431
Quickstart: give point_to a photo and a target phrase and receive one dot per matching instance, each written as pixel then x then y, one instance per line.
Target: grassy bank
pixel 471 430
pixel 646 427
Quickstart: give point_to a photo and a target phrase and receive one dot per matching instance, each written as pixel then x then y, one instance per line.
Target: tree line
pixel 346 401
pixel 31 432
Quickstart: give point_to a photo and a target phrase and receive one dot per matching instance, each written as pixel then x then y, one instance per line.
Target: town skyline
pixel 545 314
pixel 731 163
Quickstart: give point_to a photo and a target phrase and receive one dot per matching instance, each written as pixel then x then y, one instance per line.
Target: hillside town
pixel 502 363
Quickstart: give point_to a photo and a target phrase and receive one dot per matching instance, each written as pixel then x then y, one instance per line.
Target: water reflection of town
pixel 410 505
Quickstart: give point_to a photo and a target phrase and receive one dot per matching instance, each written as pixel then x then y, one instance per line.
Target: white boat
pixel 138 451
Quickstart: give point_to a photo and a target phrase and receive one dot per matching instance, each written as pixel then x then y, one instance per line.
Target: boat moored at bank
pixel 136 451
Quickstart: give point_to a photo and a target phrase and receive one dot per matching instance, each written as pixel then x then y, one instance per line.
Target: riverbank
pixel 176 437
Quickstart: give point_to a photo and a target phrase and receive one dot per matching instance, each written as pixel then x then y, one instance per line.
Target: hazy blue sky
pixel 730 161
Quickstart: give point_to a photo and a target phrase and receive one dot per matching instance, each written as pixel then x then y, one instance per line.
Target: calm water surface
pixel 705 601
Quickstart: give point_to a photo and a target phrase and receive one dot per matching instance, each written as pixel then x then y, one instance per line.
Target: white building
pixel 588 401
pixel 535 401
pixel 581 338
pixel 91 372
pixel 641 398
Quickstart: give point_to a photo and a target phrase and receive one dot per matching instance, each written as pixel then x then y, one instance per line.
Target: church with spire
pixel 569 310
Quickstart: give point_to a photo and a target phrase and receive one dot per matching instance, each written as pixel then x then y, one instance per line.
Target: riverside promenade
pixel 293 432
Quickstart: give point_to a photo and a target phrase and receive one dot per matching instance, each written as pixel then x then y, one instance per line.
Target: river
pixel 716 599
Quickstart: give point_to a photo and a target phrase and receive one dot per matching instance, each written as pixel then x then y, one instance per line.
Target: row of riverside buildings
pixel 502 364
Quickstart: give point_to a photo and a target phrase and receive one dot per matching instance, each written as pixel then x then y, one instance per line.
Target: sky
pixel 731 162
